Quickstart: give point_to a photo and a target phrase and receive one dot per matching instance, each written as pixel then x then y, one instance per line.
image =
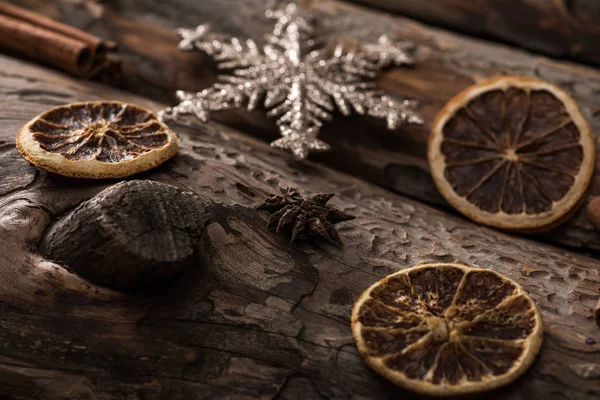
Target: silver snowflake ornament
pixel 299 83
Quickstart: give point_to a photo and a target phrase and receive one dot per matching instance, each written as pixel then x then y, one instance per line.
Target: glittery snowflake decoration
pixel 299 83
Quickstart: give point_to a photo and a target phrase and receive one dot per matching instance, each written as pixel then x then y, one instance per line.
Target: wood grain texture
pixel 255 317
pixel 361 147
pixel 130 235
pixel 559 28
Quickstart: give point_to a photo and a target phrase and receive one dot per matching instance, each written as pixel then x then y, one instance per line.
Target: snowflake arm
pixel 386 53
pixel 190 36
pixel 354 94
pixel 394 112
pixel 299 144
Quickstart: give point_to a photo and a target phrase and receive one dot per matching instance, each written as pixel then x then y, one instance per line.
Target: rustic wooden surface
pixel 559 28
pixel 253 317
pixel 395 160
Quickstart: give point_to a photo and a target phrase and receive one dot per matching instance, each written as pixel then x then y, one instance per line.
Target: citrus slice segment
pixel 99 139
pixel 512 152
pixel 447 329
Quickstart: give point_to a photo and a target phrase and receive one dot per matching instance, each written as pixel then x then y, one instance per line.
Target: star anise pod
pixel 307 218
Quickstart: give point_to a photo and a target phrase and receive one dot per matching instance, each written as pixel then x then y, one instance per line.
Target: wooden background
pixel 256 317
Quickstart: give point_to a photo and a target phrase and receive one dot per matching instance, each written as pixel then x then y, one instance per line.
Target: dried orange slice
pixel 99 139
pixel 447 329
pixel 512 152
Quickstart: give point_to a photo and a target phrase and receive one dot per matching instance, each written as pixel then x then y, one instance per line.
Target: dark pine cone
pixel 307 218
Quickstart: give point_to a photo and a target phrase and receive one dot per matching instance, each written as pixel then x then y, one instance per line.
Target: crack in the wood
pixel 277 395
pixel 295 305
pixel 248 328
pixel 102 372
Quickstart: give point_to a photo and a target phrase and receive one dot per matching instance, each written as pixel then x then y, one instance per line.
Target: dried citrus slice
pixel 512 152
pixel 100 139
pixel 447 329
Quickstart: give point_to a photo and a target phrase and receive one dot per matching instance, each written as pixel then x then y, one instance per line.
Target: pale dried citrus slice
pixel 99 139
pixel 447 329
pixel 512 152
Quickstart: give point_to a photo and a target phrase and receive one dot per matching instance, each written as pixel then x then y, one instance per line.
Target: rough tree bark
pixel 361 147
pixel 253 316
pixel 559 28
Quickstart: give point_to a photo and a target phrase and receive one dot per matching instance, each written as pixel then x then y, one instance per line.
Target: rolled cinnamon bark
pixel 49 41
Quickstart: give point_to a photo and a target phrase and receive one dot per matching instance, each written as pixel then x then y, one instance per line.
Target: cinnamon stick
pixel 52 42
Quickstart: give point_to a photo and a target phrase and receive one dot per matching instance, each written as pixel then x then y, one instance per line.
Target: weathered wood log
pixel 560 28
pixel 262 318
pixel 361 147
pixel 130 235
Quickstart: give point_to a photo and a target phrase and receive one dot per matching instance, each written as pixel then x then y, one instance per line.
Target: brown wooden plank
pixel 254 317
pixel 363 148
pixel 560 28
